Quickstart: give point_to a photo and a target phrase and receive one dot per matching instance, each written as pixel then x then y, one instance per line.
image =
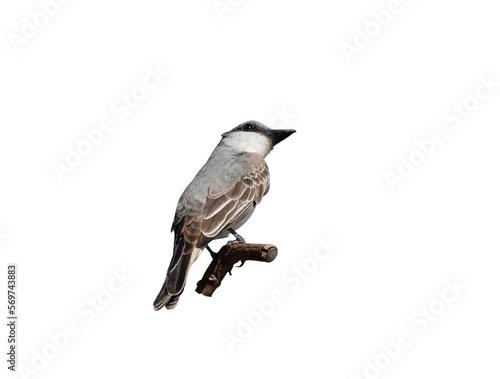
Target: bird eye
pixel 248 127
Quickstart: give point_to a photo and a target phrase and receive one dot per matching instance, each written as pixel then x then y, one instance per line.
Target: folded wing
pixel 224 207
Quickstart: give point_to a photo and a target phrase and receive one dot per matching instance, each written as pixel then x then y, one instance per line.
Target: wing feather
pixel 215 205
pixel 235 200
pixel 237 190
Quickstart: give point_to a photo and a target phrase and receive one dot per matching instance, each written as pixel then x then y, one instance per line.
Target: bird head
pixel 254 137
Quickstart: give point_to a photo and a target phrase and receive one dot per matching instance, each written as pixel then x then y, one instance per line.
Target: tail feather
pixel 176 277
pixel 173 301
pixel 162 299
pixel 174 284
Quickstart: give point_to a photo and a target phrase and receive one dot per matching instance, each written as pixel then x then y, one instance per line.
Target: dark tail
pixel 172 289
pixel 164 299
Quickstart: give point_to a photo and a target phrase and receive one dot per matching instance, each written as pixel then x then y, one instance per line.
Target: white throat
pixel 249 142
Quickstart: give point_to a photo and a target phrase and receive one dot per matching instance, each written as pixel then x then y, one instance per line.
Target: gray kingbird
pixel 220 199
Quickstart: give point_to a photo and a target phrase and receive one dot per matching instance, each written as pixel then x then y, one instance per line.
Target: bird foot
pixel 237 236
pixel 231 243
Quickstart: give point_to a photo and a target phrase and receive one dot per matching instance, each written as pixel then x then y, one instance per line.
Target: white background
pixel 353 120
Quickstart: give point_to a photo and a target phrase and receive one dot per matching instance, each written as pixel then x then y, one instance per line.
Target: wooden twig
pixel 227 257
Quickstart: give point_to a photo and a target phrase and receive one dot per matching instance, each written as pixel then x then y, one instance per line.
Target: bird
pixel 219 200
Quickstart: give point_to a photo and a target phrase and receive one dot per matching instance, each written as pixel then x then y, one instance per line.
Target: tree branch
pixel 227 257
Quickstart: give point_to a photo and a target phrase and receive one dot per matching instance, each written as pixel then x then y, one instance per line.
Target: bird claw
pixel 237 236
pixel 231 243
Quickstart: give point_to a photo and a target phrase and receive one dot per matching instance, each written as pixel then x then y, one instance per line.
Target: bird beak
pixel 278 135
